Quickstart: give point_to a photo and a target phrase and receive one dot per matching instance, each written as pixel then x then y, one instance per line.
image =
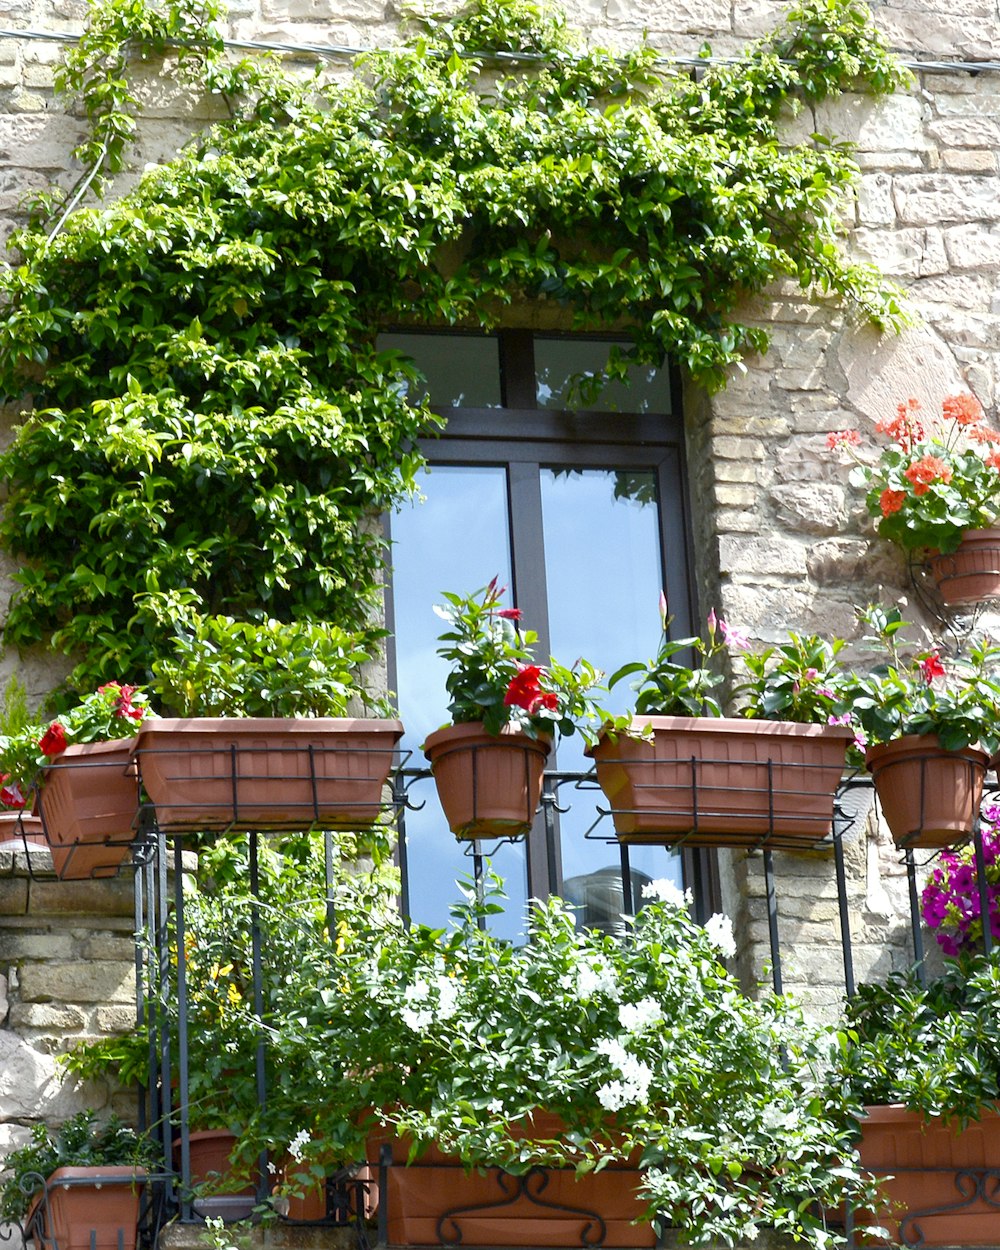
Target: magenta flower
pixel 734 637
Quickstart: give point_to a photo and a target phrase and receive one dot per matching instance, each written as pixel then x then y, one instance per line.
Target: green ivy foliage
pixel 212 417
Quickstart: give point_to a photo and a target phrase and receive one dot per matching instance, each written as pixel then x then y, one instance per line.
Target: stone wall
pixel 67 973
pixel 781 539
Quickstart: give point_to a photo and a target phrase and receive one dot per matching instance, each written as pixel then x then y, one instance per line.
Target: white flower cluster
pixel 720 933
pixel 637 1017
pixel 635 1077
pixel 597 978
pixel 426 1001
pixel 298 1144
pixel 666 891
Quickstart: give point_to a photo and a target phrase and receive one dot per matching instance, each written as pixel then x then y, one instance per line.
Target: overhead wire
pixel 346 52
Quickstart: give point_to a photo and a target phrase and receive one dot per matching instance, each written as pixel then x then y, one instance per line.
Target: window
pixel 581 512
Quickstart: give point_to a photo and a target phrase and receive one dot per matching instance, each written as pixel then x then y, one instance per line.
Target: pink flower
pixel 843 438
pixel 509 614
pixel 712 622
pixel 734 637
pixel 843 719
pixel 810 674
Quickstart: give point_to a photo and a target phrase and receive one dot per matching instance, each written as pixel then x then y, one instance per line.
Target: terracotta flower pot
pixel 930 797
pixel 972 572
pixel 91 1208
pixel 938 1193
pixel 489 785
pixel 721 782
pixel 15 827
pixel 260 773
pixel 434 1201
pixel 87 801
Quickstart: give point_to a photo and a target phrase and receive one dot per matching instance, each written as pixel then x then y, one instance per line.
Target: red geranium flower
pixel 53 741
pixel 843 438
pixel 891 501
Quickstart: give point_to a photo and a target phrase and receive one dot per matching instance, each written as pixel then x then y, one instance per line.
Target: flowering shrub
pixel 494 678
pixel 950 901
pixel 933 1047
pixel 934 480
pixel 114 710
pixel 643 1047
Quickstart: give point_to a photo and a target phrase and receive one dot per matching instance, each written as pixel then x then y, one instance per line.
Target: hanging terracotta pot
pixel 972 572
pixel 938 1190
pixel 436 1202
pixel 712 781
pixel 930 797
pixel 489 785
pixel 83 1207
pixel 267 773
pixel 87 800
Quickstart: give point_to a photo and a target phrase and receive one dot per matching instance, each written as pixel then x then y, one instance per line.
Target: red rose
pixel 53 741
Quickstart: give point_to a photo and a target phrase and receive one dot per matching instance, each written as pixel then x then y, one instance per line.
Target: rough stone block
pixel 96 981
pixel 775 556
pixel 973 246
pixel 729 448
pixel 733 471
pixel 965 38
pixel 966 132
pixel 711 17
pixel 106 946
pixel 48 1016
pixel 875 204
pixel 970 161
pixel 903 253
pixel 930 199
pixel 735 496
pixel 815 508
pixel 13 897
pixel 17 946
pixel 35 142
pixel 31 1088
pixel 115 1019
pixel 114 897
pixel 893 123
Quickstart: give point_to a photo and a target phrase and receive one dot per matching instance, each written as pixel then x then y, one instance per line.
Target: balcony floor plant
pixel 644 1048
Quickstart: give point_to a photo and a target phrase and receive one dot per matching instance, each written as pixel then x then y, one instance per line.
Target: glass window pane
pixel 603 573
pixel 559 361
pixel 457 541
pixel 462 370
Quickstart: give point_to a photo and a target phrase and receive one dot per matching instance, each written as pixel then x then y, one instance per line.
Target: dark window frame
pixel 523 438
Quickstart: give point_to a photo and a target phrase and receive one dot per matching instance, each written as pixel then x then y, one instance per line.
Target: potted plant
pixel 924 1062
pixel 558 1092
pixel 78 1183
pixel 86 790
pixel 936 488
pixel 17 822
pixel 262 738
pixel 930 727
pixel 505 710
pixel 679 771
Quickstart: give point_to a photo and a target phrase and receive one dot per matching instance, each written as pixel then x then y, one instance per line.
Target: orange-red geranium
pixel 53 741
pixel 923 472
pixel 891 501
pixel 962 409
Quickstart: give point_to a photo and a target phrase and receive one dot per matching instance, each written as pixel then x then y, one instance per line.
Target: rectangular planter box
pixel 721 782
pixel 261 773
pixel 940 1191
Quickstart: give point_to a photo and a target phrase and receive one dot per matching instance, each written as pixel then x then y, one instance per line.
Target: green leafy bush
pixel 211 414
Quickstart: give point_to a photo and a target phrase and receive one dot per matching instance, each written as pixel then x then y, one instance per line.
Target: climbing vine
pixel 214 428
